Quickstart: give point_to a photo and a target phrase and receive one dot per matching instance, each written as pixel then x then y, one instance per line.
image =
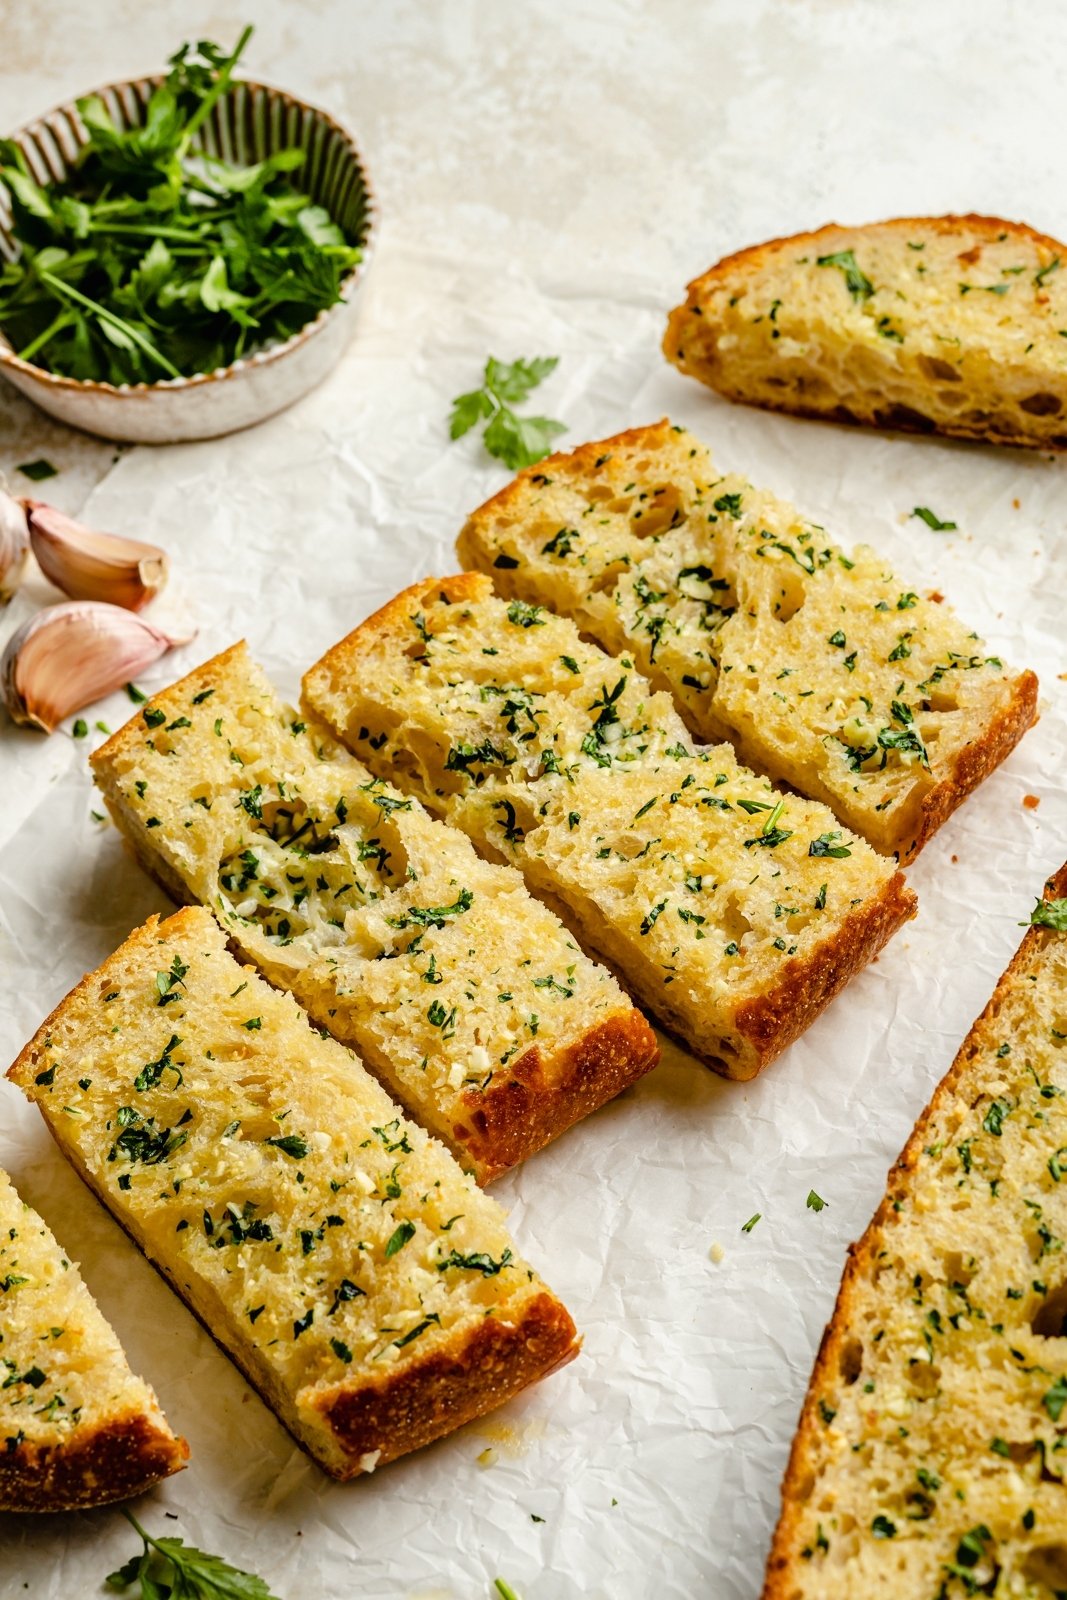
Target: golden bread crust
pixel 805 989
pixel 977 760
pixel 514 1119
pixel 94 1467
pixel 490 1364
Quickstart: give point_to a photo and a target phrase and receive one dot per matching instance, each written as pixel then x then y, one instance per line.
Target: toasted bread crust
pixel 894 417
pixel 454 1385
pixel 389 620
pixel 471 547
pixel 976 761
pixel 776 1019
pixel 514 1355
pixel 94 1467
pixel 516 1118
pixel 784 1551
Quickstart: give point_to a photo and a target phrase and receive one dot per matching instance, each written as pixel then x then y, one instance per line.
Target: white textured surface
pixel 551 175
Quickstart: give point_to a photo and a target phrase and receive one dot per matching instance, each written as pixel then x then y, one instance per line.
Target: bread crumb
pixel 1031 802
pixel 954 860
pixel 716 1252
pixel 1015 503
pixel 936 596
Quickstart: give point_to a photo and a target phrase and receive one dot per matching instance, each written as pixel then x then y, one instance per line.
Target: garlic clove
pixel 94 566
pixel 14 546
pixel 69 655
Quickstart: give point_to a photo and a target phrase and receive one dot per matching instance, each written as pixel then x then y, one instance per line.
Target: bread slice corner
pixel 77 1428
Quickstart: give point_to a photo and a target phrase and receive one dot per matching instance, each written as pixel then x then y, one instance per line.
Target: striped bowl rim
pixel 51 141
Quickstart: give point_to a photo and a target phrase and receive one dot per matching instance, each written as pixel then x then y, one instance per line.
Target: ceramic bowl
pixel 247 124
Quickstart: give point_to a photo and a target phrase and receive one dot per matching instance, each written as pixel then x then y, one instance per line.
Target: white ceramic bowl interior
pixel 247 124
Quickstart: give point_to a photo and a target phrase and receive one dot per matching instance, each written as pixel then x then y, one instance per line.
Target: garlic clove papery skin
pixel 14 545
pixel 94 566
pixel 69 655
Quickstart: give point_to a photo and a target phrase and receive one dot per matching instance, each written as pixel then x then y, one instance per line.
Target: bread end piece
pixel 786 1557
pixel 875 381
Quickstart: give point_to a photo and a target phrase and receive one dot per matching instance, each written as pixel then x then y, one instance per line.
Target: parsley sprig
pixel 169 1569
pixel 155 260
pixel 517 441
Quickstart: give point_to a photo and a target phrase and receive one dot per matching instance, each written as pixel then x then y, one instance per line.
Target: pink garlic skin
pixel 70 655
pixel 14 545
pixel 94 566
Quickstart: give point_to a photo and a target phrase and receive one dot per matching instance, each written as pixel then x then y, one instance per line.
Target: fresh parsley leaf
pixel 399 1238
pixel 857 283
pixel 517 441
pixel 1050 914
pixel 932 520
pixel 815 1202
pixel 824 846
pixel 467 410
pixel 171 1567
pixel 36 471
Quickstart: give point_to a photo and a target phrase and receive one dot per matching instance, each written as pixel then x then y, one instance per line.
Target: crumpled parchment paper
pixel 652 1464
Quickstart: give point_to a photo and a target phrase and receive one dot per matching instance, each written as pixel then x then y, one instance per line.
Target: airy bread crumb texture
pixel 948 324
pixel 466 996
pixel 822 667
pixel 931 1455
pixel 362 1281
pixel 733 912
pixel 77 1428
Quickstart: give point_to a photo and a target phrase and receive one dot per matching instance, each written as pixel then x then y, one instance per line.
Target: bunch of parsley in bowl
pixel 171 233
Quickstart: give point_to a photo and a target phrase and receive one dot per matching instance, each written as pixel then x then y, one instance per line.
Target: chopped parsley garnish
pixel 932 520
pixel 824 846
pixel 476 1261
pixel 290 1144
pixel 857 283
pixel 403 1232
